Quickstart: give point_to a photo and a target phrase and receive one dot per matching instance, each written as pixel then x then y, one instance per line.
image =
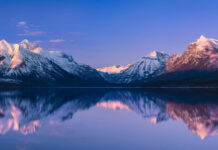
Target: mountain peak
pixel 203 40
pixel 30 46
pixel 160 55
pixel 200 55
pixel 3 41
pixel 202 37
pixel 25 41
pixel 206 43
pixel 156 54
pixel 5 47
pixel 153 54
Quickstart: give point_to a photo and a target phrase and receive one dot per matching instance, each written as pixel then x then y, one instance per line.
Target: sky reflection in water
pixel 108 119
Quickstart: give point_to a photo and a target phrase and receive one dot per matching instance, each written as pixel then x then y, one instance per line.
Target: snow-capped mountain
pixel 149 66
pixel 197 66
pixel 113 69
pixel 198 62
pixel 26 62
pixel 200 55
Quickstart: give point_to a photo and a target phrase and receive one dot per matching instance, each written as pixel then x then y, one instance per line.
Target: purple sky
pixel 109 32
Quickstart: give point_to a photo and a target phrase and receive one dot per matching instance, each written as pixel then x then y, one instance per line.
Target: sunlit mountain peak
pixel 206 43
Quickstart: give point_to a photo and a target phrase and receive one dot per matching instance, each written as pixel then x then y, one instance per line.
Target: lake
pixel 94 118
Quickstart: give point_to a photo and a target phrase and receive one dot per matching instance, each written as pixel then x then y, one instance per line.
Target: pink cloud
pixel 28 30
pixel 37 42
pixel 22 24
pixel 31 33
pixel 57 40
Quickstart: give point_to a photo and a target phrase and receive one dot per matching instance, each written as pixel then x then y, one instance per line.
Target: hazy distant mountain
pixel 27 64
pixel 113 69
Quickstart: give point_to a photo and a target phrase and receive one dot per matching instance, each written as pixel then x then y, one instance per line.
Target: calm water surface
pixel 32 119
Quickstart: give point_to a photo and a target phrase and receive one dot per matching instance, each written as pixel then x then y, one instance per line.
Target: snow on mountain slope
pixel 27 62
pixel 113 69
pixel 66 62
pixel 200 55
pixel 148 66
pixel 18 63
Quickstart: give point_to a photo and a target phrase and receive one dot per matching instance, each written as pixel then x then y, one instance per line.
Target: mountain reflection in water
pixel 27 110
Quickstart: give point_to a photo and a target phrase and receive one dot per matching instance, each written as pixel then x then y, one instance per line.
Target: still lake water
pixel 130 119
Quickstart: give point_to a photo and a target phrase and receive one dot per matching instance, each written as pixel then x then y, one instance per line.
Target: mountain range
pixel 26 64
pixel 197 66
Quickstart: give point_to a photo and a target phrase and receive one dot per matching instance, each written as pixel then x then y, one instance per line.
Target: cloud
pixel 37 42
pixel 22 24
pixel 61 40
pixel 31 33
pixel 57 40
pixel 28 30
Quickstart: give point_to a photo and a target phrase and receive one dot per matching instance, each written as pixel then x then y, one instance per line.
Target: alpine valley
pixel 26 64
